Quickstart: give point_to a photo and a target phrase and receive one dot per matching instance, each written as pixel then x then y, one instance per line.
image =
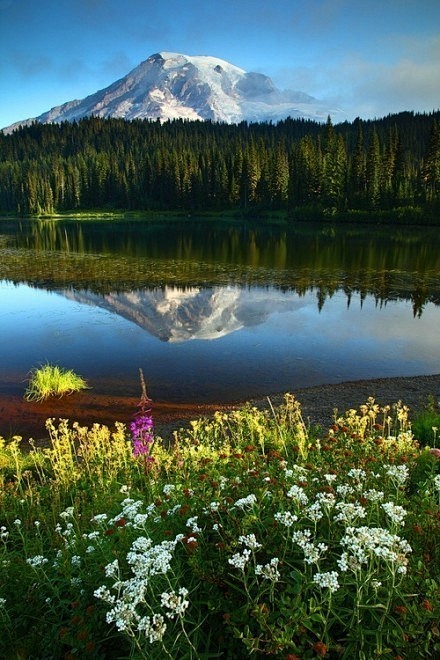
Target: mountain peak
pixel 171 85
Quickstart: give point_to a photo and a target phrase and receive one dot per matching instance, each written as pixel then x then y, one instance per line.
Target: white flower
pixel 68 513
pixel 123 615
pixel 344 489
pixel 286 518
pixel 373 495
pixel 269 571
pixel 326 500
pixel 154 628
pixel 103 593
pixel 399 473
pixel 175 603
pixel 250 541
pixel 112 569
pixel 192 524
pixel 314 512
pixel 330 478
pixel 349 511
pixel 36 561
pixel 17 522
pixel 76 560
pixel 168 489
pixel 327 580
pixel 297 493
pixel 366 543
pixel 240 560
pixel 357 474
pixel 99 518
pixel 246 502
pixel 395 513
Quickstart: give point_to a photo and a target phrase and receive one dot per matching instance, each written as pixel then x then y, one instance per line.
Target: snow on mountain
pixel 178 315
pixel 171 86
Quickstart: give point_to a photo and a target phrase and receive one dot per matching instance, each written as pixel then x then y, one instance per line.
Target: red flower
pixel 320 649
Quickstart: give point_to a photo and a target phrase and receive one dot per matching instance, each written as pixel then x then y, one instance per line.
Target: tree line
pixel 193 166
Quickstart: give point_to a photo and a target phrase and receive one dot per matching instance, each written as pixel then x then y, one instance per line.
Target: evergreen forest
pixel 300 168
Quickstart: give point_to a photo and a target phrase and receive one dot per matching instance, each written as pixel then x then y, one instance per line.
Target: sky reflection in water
pixel 214 343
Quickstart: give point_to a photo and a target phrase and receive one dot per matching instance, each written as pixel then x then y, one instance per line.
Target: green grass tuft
pixel 51 380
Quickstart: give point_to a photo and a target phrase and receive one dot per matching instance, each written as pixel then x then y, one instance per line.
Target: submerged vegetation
pixel 52 380
pixel 251 535
pixel 383 170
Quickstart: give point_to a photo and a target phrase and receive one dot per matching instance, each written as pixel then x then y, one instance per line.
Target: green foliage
pixel 195 167
pixel 249 536
pixel 426 424
pixel 51 380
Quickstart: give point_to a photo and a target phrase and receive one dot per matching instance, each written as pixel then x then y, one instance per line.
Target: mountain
pixel 175 315
pixel 171 86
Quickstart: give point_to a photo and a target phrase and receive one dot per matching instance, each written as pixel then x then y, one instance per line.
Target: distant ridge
pixel 171 86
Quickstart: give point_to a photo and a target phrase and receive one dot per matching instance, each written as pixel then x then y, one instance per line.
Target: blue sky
pixel 366 57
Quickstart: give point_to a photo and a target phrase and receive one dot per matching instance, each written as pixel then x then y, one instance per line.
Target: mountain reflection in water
pixel 287 306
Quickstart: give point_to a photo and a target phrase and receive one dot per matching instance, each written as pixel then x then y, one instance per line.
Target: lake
pixel 216 311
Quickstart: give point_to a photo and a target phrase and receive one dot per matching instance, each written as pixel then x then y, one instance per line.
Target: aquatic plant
pixel 52 380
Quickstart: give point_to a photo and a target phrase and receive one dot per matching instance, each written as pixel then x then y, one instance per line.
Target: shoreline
pixel 27 419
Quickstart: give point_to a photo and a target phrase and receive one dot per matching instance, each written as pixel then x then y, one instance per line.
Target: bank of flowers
pixel 250 535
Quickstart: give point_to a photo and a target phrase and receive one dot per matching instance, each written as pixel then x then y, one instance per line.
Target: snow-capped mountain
pixel 172 85
pixel 177 315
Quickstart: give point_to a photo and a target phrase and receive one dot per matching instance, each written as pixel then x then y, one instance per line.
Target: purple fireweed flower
pixel 142 434
pixel 142 428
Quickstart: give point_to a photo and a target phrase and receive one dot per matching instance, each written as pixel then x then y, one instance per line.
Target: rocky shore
pixel 319 402
pixel 27 419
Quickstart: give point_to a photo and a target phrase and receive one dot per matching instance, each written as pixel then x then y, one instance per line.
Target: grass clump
pixel 51 380
pixel 249 536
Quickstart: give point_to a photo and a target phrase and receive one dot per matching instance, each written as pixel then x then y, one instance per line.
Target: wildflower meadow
pixel 249 535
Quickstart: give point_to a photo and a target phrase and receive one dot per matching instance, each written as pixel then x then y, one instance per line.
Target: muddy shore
pixel 27 419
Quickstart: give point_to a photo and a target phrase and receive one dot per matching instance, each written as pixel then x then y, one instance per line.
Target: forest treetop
pixel 366 166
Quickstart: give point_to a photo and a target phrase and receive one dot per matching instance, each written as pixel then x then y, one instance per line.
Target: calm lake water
pixel 216 312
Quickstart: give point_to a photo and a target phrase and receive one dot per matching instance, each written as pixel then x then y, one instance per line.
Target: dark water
pixel 216 311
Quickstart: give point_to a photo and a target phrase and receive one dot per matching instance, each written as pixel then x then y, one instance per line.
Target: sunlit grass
pixel 51 380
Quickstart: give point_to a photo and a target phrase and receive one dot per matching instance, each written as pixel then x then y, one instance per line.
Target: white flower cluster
pixel 399 473
pixel 357 474
pixel 373 495
pixel 153 628
pixel 250 542
pixel 297 494
pixel 327 580
pixel 312 552
pixel 286 518
pixel 269 571
pixel 175 603
pixel 240 560
pixel 395 513
pixel 37 561
pixel 364 544
pixel 349 512
pixel 192 523
pixel 246 502
pixel 145 560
